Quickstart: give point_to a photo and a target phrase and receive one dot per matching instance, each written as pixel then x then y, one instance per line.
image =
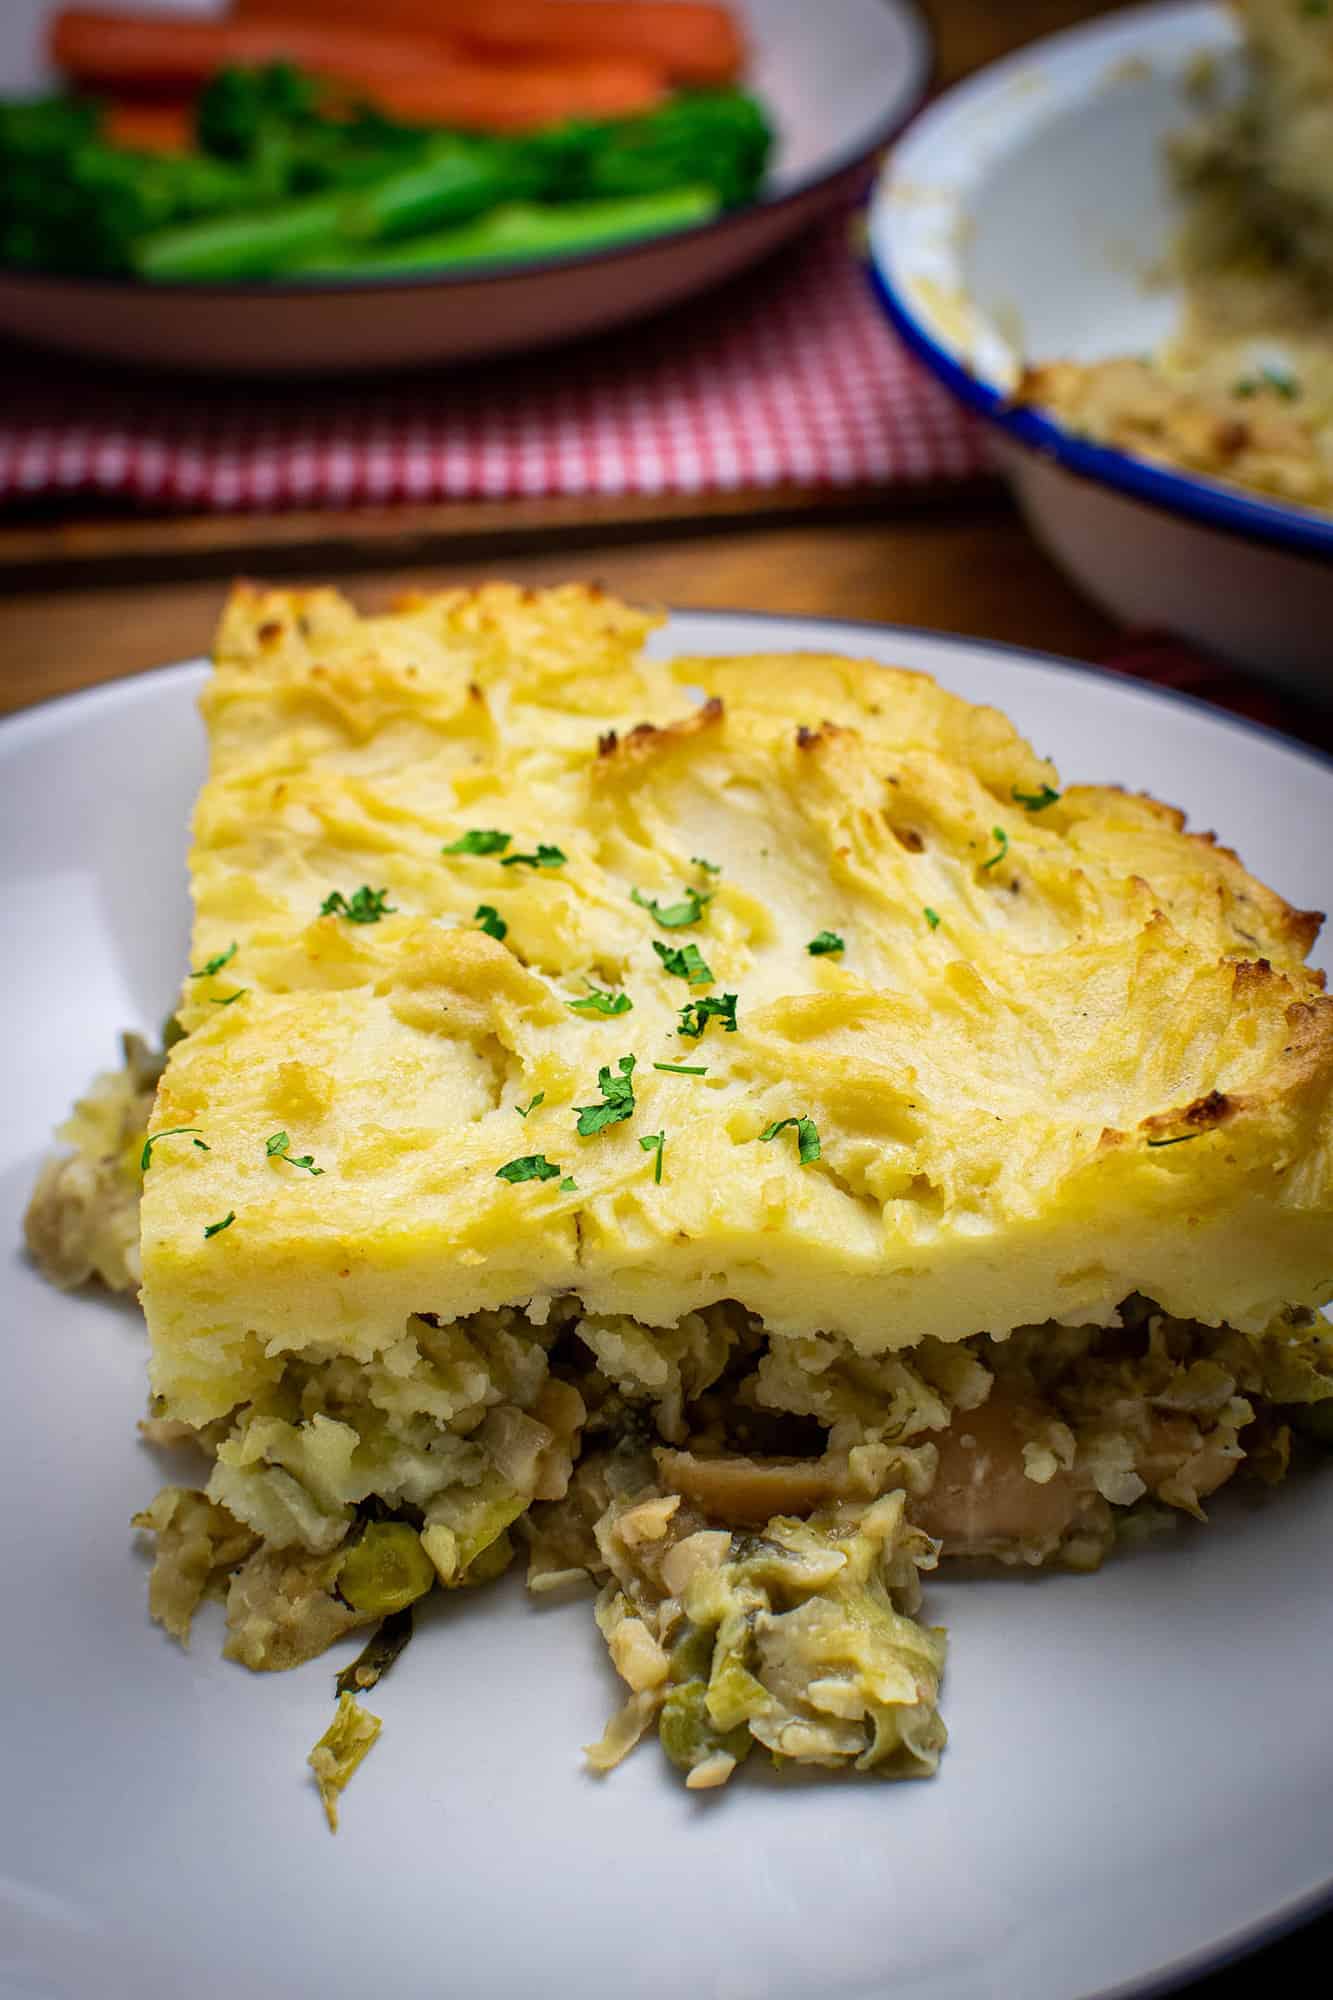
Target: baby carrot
pixel 164 125
pixel 164 52
pixel 413 77
pixel 693 41
pixel 513 97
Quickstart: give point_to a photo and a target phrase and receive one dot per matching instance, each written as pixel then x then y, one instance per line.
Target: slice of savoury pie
pixel 742 1129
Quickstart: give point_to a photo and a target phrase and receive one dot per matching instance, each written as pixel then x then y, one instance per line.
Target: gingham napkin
pixel 788 376
pixel 1157 657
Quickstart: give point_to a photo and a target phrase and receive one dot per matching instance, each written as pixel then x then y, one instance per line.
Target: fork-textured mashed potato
pixel 1027 1004
pixel 740 1127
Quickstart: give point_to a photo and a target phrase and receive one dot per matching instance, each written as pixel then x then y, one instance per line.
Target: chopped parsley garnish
pixel 683 1069
pixel 655 1142
pixel 1035 802
pixel 490 920
pixel 545 857
pixel 531 1167
pixel 998 833
pixel 276 1146
pixel 825 944
pixel 675 916
pixel 807 1137
pixel 595 1001
pixel 932 917
pixel 531 1105
pixel 172 1132
pixel 364 906
pixel 709 867
pixel 618 1095
pixel 1277 379
pixel 216 1228
pixel 569 1185
pixel 213 965
pixel 696 1014
pixel 685 962
pixel 1183 1140
pixel 226 999
pixel 481 840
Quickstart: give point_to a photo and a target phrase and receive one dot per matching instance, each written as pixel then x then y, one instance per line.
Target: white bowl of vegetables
pixel 300 219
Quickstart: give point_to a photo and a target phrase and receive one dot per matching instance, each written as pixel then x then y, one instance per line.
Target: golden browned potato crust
pixel 1042 995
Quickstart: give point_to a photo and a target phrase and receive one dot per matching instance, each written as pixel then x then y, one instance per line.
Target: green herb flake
pixel 997 833
pixel 216 1228
pixel 529 1167
pixel 684 962
pixel 569 1185
pixel 807 1137
pixel 1183 1140
pixel 1277 379
pixel 228 999
pixel 709 867
pixel 489 919
pixel 276 1146
pixel 1035 802
pixel 531 1105
pixel 826 944
pixel 675 916
pixel 213 965
pixel 655 1142
pixel 545 857
pixel 172 1132
pixel 595 1001
pixel 932 917
pixel 683 1069
pixel 481 840
pixel 696 1014
pixel 364 906
pixel 618 1100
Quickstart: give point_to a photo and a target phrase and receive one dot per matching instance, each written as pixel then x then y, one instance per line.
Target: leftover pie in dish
pixel 1242 390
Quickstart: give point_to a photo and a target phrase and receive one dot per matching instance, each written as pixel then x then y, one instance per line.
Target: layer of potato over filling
pixel 755 1510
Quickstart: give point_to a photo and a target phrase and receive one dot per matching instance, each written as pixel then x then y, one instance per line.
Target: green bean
pixel 523 231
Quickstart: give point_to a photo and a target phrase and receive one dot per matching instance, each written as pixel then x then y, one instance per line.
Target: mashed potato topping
pixel 739 1133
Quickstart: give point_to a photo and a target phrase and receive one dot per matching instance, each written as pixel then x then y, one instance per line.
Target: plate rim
pixel 41 720
pixel 825 181
pixel 1210 502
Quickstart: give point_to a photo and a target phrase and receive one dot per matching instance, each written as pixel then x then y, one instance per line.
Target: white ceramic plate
pixel 839 80
pixel 1139 1775
pixel 1022 218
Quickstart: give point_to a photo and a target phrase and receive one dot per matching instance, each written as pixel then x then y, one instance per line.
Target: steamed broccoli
pixel 285 174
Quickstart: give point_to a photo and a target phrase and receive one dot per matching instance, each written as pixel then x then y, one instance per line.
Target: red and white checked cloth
pixel 788 376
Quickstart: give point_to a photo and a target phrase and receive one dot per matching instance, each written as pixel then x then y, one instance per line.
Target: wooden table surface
pixel 973 571
pixel 88 595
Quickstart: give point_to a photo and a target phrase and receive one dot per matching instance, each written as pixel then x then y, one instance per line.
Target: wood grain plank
pixel 976 572
pixel 80 544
